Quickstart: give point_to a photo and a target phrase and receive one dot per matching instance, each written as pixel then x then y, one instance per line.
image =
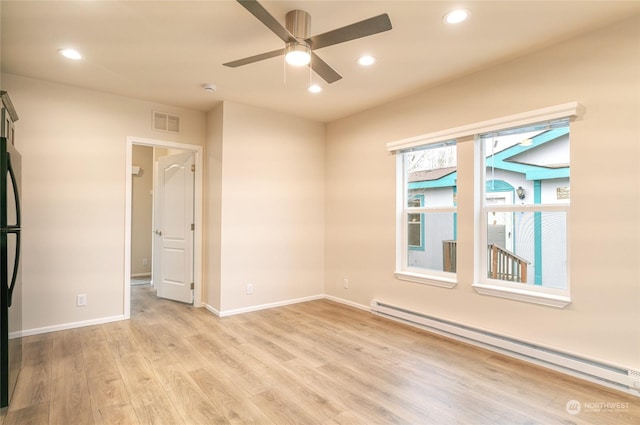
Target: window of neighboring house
pixel 427 214
pixel 415 223
pixel 523 216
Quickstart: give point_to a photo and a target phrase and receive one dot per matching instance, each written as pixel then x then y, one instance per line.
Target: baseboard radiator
pixel 614 377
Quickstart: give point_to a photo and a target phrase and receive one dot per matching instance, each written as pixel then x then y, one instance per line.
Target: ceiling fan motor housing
pixel 298 22
pixel 298 52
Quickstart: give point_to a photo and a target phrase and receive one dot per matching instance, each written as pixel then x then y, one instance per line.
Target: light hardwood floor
pixel 312 363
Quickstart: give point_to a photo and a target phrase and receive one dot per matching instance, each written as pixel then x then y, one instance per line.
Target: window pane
pixel 431 176
pixel 430 183
pixel 527 166
pixel 439 248
pixel 528 248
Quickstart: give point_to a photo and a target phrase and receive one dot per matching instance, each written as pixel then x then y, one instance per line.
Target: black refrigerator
pixel 10 236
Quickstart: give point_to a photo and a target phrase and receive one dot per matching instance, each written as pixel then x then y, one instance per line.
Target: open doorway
pixel 142 215
pixel 163 233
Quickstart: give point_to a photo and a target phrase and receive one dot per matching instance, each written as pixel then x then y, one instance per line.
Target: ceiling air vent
pixel 163 121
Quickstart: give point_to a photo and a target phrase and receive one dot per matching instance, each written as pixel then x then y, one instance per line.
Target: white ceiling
pixel 165 51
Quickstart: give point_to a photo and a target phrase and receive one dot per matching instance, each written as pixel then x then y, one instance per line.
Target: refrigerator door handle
pixel 14 229
pixel 16 195
pixel 16 263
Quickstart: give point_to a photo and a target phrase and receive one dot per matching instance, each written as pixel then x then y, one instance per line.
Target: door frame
pixel 198 203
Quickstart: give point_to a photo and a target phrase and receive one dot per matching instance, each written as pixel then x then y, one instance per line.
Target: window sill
pixel 534 297
pixel 441 281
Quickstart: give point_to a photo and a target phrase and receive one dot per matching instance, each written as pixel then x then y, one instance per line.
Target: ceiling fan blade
pixel 360 29
pixel 255 58
pixel 323 69
pixel 269 21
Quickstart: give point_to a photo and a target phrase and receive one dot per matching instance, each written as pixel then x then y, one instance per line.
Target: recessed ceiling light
pixel 456 16
pixel 366 60
pixel 70 54
pixel 314 88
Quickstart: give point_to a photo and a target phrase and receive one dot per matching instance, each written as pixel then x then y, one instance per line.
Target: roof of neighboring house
pixel 505 159
pixel 429 175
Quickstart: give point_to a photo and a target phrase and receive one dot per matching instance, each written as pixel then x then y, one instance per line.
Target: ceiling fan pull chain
pixel 284 73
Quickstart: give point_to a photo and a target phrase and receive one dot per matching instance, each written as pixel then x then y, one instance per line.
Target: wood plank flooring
pixel 312 363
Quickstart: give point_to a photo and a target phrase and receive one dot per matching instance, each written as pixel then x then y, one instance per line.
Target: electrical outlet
pixel 345 283
pixel 81 300
pixel 249 289
pixel 145 261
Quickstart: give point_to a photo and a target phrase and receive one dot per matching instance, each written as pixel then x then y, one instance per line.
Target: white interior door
pixel 173 227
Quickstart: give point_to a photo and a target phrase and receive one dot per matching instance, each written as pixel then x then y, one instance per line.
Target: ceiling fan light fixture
pixel 297 54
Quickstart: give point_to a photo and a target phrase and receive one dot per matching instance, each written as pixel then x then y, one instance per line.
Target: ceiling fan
pixel 299 45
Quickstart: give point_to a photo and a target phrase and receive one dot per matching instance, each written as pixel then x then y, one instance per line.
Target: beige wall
pixel 73 144
pixel 271 188
pixel 141 210
pixel 600 71
pixel 213 208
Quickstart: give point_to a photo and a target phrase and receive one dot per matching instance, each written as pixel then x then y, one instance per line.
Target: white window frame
pixel 484 285
pixel 569 110
pixel 552 297
pixel 403 270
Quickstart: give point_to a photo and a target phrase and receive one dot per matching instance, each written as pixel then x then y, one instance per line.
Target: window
pixel 521 197
pixel 525 205
pixel 428 214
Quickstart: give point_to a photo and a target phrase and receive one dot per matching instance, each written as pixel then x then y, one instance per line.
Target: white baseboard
pixel 211 309
pixel 283 303
pixel 65 326
pixel 233 312
pixel 347 302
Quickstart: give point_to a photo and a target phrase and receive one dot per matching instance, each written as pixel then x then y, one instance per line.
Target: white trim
pixel 284 303
pixel 211 308
pixel 71 325
pixel 518 294
pixel 128 191
pixel 441 281
pixel 225 313
pixel 564 110
pixel 348 303
pixel 403 271
pixel 527 208
pixel 534 294
pixel 198 201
